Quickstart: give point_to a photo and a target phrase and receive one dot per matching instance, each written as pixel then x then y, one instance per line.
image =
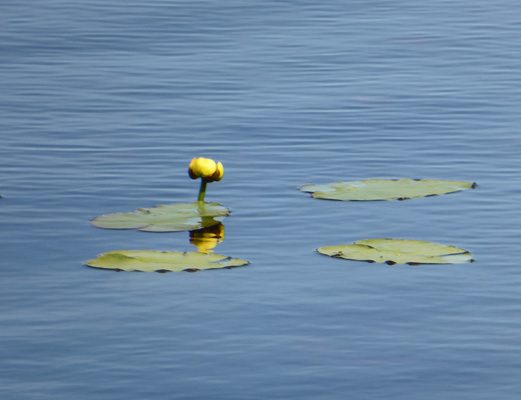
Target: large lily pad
pixel 162 261
pixel 166 218
pixel 385 189
pixel 399 251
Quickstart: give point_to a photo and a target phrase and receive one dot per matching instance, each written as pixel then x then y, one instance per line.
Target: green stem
pixel 202 190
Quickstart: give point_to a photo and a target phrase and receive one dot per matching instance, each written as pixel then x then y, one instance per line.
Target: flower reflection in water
pixel 208 238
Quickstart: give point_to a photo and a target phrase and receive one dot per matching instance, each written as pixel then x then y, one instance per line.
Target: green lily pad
pixel 162 261
pixel 385 189
pixel 398 251
pixel 166 218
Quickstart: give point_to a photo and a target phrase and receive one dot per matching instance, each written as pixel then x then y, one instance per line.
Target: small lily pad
pixel 385 189
pixel 166 218
pixel 162 261
pixel 399 251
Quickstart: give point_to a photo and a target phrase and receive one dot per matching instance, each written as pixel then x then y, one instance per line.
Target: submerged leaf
pixel 399 251
pixel 385 189
pixel 166 218
pixel 151 261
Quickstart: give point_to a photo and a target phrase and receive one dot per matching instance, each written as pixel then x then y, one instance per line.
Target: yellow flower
pixel 206 169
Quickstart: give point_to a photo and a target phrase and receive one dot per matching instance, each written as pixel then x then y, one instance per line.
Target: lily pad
pixel 166 218
pixel 385 189
pixel 399 251
pixel 162 261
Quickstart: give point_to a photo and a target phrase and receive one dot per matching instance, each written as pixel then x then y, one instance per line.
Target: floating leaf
pixel 399 251
pixel 385 189
pixel 162 261
pixel 166 218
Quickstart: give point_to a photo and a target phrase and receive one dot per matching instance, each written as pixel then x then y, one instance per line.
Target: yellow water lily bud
pixel 205 169
pixel 219 172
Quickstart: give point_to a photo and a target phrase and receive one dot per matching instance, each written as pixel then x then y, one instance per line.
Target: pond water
pixel 103 105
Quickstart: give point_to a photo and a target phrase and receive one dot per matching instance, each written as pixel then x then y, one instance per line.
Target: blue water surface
pixel 104 103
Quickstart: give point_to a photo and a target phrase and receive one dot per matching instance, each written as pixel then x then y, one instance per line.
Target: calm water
pixel 104 103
